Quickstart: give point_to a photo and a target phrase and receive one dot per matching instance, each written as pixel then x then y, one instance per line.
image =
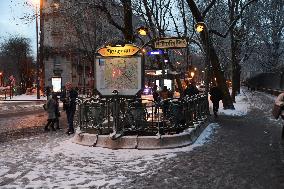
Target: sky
pixel 10 23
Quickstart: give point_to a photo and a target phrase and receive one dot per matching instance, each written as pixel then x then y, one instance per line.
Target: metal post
pixel 207 71
pixel 37 59
pixel 84 77
pixel 41 39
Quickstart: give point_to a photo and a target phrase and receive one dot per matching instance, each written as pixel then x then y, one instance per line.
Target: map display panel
pixel 120 73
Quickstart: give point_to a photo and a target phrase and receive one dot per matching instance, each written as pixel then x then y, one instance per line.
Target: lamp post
pixel 36 3
pixel 201 27
pixel 1 79
pixel 37 58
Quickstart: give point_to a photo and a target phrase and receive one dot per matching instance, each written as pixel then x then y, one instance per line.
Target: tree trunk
pixel 128 26
pixel 205 39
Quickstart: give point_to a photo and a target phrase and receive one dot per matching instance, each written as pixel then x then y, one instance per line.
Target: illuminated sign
pixel 167 43
pixel 123 74
pixel 56 84
pixel 127 50
pixel 155 52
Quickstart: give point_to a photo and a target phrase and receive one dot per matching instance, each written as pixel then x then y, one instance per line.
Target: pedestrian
pixel 68 97
pixel 48 92
pixel 280 103
pixel 51 110
pixel 156 97
pixel 215 96
pixel 191 89
pixel 164 94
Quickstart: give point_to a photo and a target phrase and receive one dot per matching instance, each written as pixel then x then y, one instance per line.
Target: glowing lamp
pixel 200 27
pixel 142 30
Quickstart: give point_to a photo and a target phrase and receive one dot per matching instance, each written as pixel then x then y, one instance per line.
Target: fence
pixel 122 116
pixel 6 93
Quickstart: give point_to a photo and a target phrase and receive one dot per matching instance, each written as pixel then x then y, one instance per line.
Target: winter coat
pixel 216 94
pixel 51 108
pixel 164 94
pixel 191 90
pixel 156 96
pixel 69 99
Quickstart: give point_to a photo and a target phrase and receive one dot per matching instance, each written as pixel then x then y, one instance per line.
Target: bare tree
pixel 268 30
pixel 17 51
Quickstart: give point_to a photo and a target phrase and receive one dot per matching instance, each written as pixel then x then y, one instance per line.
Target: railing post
pixel 115 113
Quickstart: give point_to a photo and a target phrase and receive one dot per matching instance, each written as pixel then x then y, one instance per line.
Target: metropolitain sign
pixel 127 50
pixel 167 43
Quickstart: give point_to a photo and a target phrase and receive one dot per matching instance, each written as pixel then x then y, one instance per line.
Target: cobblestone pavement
pixel 244 152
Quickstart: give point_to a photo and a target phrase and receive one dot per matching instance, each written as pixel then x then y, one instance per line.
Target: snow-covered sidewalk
pixel 52 160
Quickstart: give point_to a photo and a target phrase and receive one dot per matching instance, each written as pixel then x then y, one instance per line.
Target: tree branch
pixel 208 8
pixel 233 24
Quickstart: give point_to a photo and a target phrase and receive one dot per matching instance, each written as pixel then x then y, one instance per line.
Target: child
pixel 51 110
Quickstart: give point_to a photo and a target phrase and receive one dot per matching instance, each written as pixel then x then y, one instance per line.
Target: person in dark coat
pixel 191 89
pixel 156 97
pixel 215 96
pixel 68 97
pixel 48 91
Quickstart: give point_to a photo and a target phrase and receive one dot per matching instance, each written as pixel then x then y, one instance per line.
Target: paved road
pixel 245 152
pixel 22 119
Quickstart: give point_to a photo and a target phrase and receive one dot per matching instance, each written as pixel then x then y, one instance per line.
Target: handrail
pixel 140 116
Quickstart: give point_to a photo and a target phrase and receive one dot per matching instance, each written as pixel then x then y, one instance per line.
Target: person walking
pixel 156 98
pixel 68 97
pixel 51 110
pixel 215 96
pixel 280 103
pixel 191 89
pixel 164 94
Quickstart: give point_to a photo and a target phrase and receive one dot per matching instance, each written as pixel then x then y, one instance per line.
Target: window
pixel 56 61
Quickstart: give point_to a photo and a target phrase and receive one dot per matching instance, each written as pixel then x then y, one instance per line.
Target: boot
pixel 52 126
pixel 46 129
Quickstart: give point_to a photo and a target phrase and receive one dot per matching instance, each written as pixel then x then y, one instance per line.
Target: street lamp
pixel 192 74
pixel 202 28
pixel 37 3
pixel 142 30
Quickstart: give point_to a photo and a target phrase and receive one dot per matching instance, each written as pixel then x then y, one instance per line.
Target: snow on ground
pixel 61 163
pixel 241 106
pixel 53 161
pixel 21 102
pixel 25 97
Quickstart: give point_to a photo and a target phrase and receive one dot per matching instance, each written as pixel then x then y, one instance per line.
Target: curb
pixel 186 138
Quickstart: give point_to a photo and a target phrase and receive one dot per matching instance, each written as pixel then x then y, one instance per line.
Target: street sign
pixel 171 43
pixel 127 50
pixel 155 52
